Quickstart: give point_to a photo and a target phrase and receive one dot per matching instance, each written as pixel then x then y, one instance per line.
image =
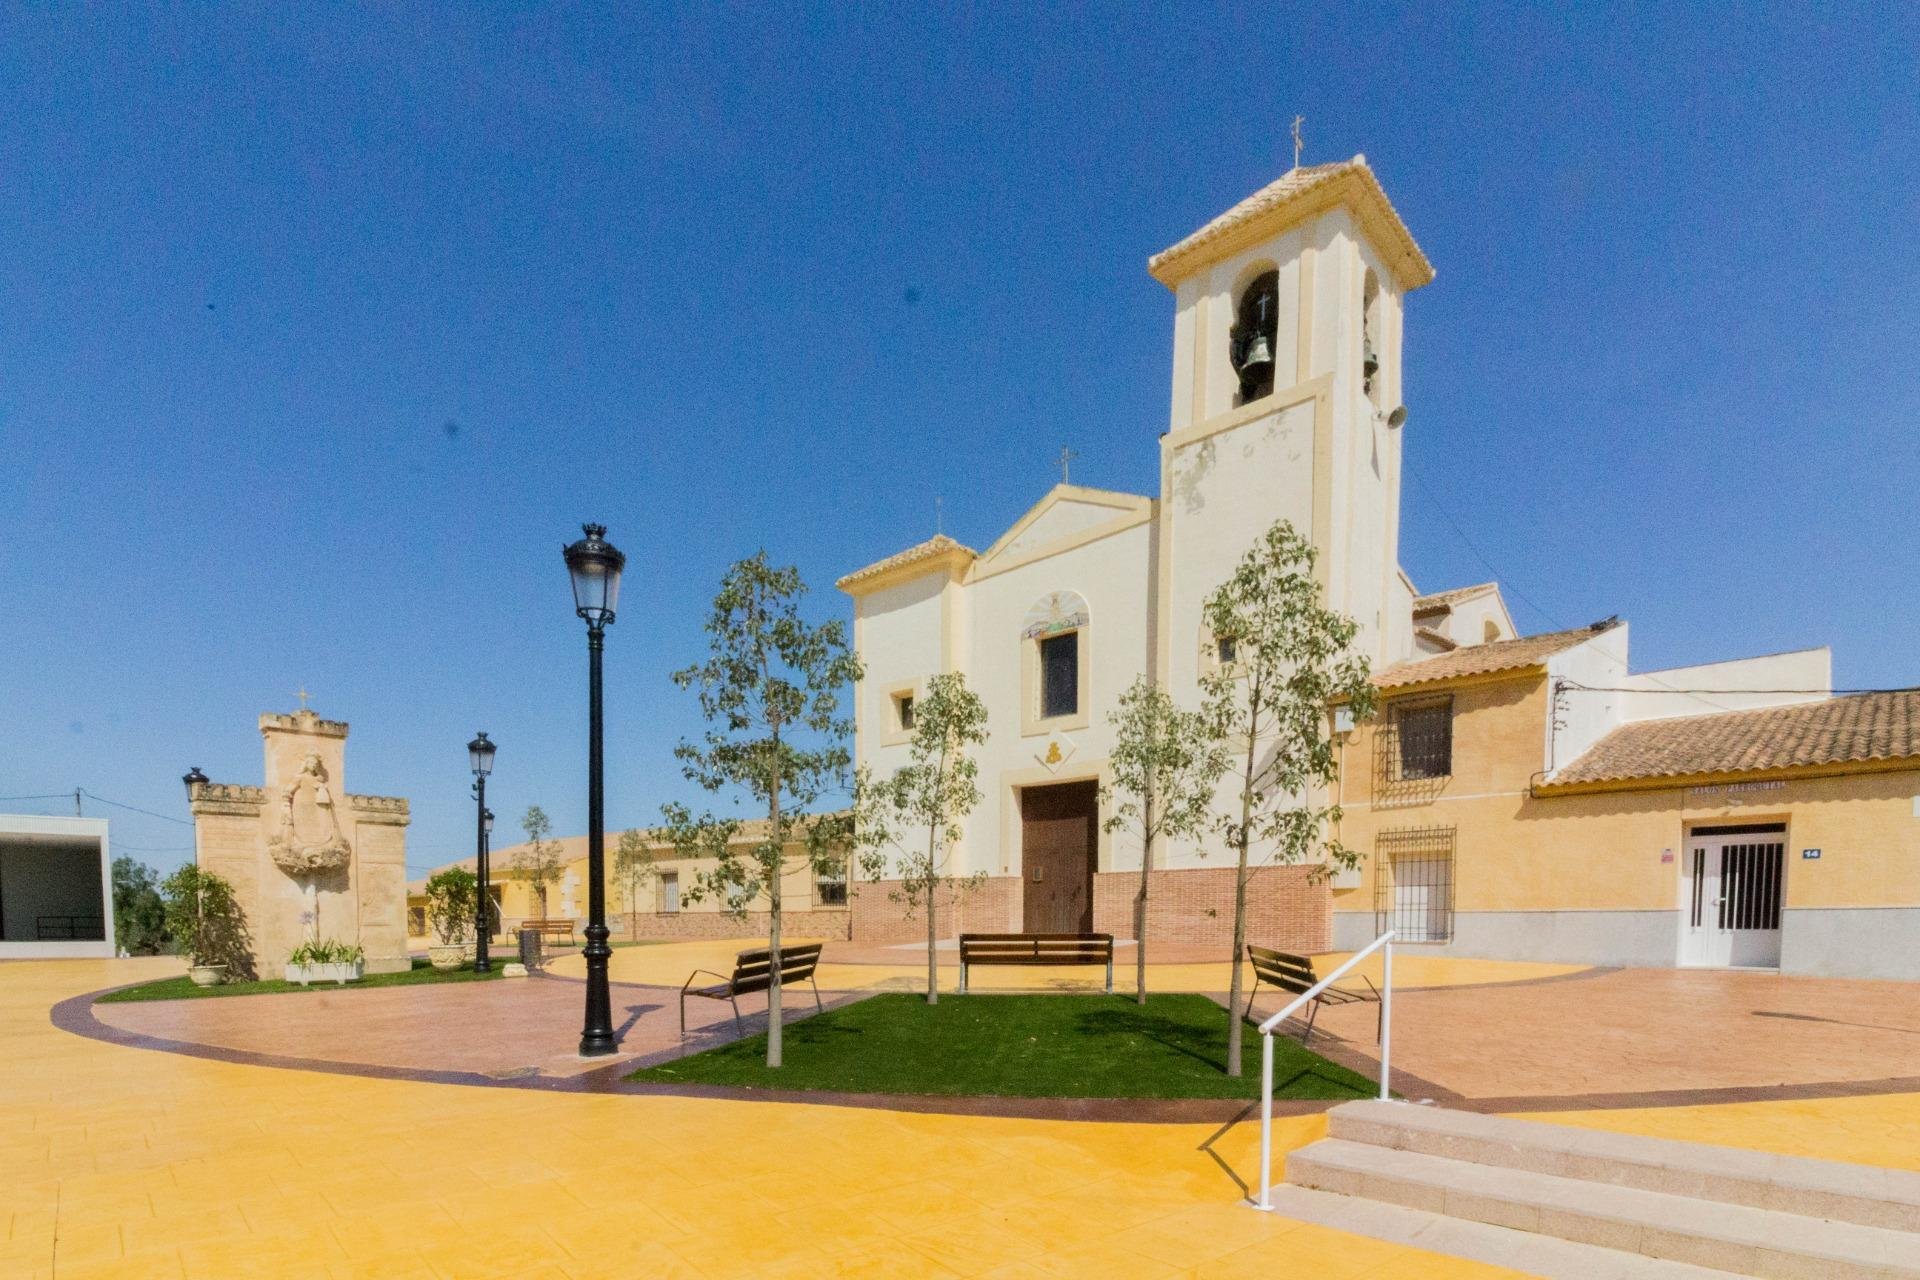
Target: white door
pixel 1731 887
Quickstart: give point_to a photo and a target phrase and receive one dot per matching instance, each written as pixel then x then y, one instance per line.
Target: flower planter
pixel 207 975
pixel 448 955
pixel 351 971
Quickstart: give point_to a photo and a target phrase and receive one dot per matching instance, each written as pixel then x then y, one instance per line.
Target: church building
pixel 1522 797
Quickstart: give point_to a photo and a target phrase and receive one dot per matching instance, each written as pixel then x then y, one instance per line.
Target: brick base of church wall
pixel 1285 908
pixel 692 925
pixel 992 908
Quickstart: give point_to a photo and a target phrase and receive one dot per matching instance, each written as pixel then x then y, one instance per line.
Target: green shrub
pixel 450 903
pixel 327 951
pixel 206 922
pixel 139 914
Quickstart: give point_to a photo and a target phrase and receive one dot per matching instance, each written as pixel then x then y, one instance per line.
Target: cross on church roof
pixel 1066 456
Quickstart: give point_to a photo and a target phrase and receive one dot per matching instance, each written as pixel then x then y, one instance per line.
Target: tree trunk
pixel 933 956
pixel 778 862
pixel 1240 900
pixel 1140 910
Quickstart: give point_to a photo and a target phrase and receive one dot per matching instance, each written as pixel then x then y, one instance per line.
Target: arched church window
pixel 1250 344
pixel 1054 663
pixel 1370 337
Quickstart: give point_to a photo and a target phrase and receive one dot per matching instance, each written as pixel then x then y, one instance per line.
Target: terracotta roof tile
pixel 1485 659
pixel 1290 186
pixel 1858 727
pixel 938 545
pixel 1448 599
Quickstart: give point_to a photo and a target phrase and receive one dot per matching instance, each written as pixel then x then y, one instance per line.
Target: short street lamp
pixel 192 776
pixel 480 756
pixel 595 567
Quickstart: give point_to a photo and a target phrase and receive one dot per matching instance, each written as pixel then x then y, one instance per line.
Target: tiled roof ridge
pixel 939 544
pixel 1486 659
pixel 1843 729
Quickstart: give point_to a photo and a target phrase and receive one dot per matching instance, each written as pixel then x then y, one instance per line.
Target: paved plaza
pixel 376 1158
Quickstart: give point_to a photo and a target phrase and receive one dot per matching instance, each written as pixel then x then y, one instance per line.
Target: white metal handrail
pixel 1383 944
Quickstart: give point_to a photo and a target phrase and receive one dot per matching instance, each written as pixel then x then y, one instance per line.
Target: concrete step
pixel 1862 1194
pixel 1726 1237
pixel 1524 1251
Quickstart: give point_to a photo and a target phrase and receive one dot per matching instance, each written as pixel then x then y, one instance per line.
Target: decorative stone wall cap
pixel 232 798
pixel 302 722
pixel 379 804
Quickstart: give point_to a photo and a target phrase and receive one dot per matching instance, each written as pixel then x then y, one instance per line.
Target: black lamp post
pixel 480 756
pixel 486 852
pixel 595 567
pixel 190 777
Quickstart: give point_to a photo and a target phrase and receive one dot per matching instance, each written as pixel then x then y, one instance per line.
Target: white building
pixel 1286 378
pixel 56 887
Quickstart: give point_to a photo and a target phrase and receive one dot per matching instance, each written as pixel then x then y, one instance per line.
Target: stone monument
pixel 306 859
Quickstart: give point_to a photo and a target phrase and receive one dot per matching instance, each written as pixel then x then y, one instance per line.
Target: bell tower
pixel 1287 399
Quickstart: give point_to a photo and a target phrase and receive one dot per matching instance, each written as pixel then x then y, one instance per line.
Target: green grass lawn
pixel 182 988
pixel 1025 1046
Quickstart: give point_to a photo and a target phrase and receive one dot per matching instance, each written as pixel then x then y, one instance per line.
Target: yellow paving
pixel 669 965
pixel 126 1162
pixel 1882 1130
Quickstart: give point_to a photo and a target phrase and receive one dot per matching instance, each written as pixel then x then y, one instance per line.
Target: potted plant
pixel 450 908
pixel 327 960
pixel 206 921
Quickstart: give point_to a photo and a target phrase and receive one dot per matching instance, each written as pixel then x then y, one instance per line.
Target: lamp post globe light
pixel 594 565
pixel 190 777
pixel 480 757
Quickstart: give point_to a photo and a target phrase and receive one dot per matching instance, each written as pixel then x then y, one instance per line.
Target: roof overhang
pixel 1261 217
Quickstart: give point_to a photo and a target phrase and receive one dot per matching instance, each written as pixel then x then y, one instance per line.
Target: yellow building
pixel 661 901
pixel 1530 799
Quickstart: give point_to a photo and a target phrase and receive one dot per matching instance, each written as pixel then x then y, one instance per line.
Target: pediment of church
pixel 1069 513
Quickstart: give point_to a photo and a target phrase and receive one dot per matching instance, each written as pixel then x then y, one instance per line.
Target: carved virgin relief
pixel 308 839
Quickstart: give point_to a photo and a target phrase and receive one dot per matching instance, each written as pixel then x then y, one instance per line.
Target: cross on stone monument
pixel 302 694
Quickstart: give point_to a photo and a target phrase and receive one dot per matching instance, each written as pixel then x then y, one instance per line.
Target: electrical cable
pixel 133 808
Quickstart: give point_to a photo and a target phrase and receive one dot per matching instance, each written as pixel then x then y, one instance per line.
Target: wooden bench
pixel 550 929
pixel 753 971
pixel 1295 974
pixel 1035 948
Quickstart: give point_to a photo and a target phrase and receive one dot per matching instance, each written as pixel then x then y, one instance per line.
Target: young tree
pixel 1290 662
pixel 770 690
pixel 1166 762
pixel 206 922
pixel 139 915
pixel 632 868
pixel 912 821
pixel 538 860
pixel 451 896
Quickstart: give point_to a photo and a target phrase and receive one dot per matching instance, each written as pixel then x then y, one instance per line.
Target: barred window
pixel 1423 739
pixel 1413 883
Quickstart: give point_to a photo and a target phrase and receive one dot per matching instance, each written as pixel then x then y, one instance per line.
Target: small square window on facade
pixel 830 891
pixel 1059 675
pixel 1226 650
pixel 903 710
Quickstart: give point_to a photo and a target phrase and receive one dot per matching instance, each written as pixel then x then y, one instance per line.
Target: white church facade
pixel 1286 385
pixel 1524 797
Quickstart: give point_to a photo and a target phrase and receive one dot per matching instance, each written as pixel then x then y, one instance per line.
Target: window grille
pixel 830 891
pixel 1413 749
pixel 1413 883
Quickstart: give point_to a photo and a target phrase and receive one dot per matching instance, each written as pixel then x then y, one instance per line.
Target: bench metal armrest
pixel 710 973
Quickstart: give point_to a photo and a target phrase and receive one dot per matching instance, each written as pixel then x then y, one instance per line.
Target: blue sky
pixel 322 330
